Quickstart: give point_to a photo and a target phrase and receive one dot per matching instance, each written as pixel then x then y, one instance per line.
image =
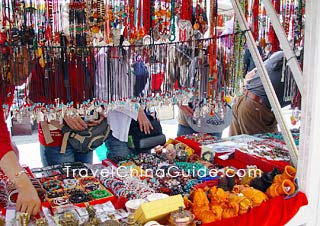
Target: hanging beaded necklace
pixel 212 49
pixel 95 15
pixel 164 19
pixel 77 22
pixel 196 25
pixel 125 18
pixel 131 22
pixel 172 22
pixel 185 26
pixel 286 17
pixel 141 31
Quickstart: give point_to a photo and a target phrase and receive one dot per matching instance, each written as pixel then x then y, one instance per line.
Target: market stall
pixel 89 59
pixel 151 186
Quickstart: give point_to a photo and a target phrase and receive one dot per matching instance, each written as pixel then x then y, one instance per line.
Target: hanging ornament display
pixel 53 41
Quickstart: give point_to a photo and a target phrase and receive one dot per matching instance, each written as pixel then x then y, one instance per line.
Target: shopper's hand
pixel 28 200
pixel 187 111
pixel 96 122
pixel 144 123
pixel 75 123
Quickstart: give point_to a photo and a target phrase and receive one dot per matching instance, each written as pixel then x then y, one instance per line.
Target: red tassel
pixel 147 16
pixel 255 20
pixel 273 38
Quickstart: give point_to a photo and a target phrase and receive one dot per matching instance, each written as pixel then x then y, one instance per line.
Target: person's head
pixel 268 47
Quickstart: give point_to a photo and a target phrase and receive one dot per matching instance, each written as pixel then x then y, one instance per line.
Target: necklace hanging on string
pixel 184 23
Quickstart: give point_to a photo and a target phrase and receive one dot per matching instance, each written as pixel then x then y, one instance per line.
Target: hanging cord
pixel 173 22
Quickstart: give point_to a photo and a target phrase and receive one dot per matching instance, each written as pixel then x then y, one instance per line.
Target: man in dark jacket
pixel 248 64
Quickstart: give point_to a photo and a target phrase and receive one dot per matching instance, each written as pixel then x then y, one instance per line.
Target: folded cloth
pixel 275 212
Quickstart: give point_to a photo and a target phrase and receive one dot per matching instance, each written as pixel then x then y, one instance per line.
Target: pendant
pixel 116 34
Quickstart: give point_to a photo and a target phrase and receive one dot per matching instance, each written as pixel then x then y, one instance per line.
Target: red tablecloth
pixel 275 212
pixel 262 163
pixel 240 160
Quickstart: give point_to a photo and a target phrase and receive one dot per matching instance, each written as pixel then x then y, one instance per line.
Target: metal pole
pixel 288 52
pixel 308 165
pixel 266 83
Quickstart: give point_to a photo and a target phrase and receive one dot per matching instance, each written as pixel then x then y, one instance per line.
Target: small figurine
pixel 131 221
pixel 182 155
pixel 24 219
pixel 171 153
pixel 41 222
pixel 93 220
pixel 68 219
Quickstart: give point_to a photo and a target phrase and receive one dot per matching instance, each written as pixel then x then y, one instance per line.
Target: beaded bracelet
pixel 99 194
pixel 10 186
pixel 73 190
pixel 105 182
pixel 115 184
pixel 51 185
pixel 70 183
pixel 17 175
pixel 86 180
pixel 3 195
pixel 60 201
pixel 121 192
pixel 119 189
pixel 55 194
pixel 79 197
pixel 92 186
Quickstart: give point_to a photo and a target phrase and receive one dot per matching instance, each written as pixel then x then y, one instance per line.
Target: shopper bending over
pixel 252 111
